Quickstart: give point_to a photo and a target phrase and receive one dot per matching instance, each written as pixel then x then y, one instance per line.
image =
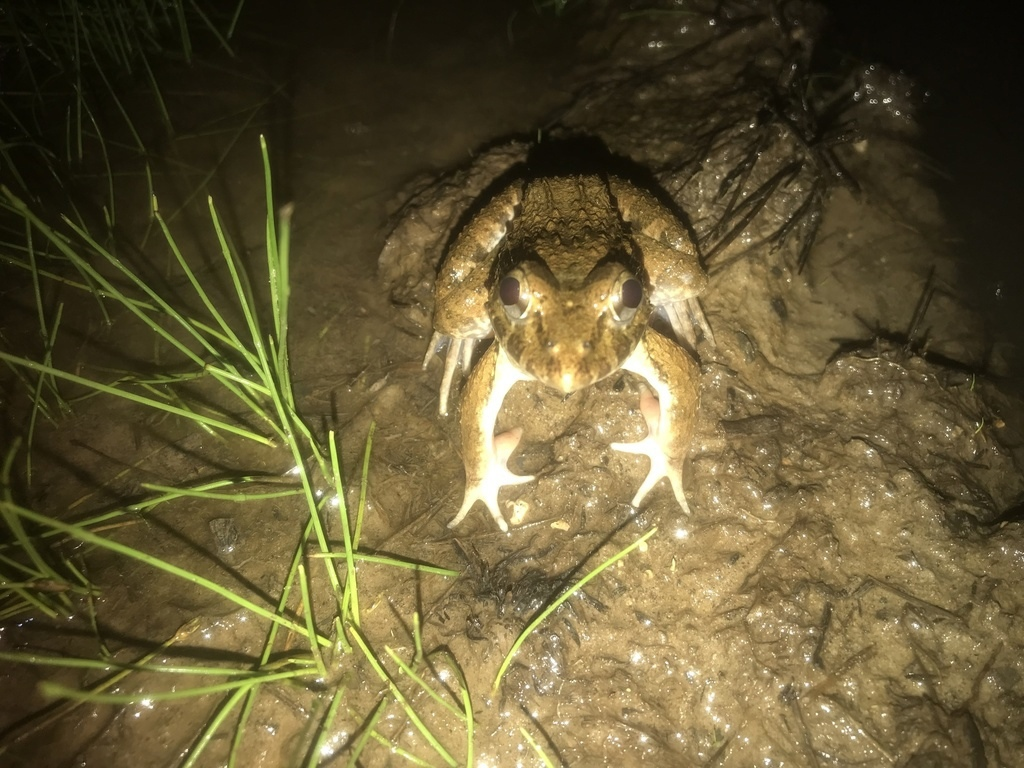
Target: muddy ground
pixel 846 589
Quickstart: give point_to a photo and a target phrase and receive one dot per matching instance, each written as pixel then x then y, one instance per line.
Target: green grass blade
pixel 213 725
pixel 537 748
pixel 234 19
pixel 277 253
pixel 186 38
pixel 396 692
pixel 279 291
pixel 13 524
pixel 243 293
pixel 206 491
pixel 307 602
pixel 393 562
pixel 50 716
pixel 127 395
pixel 57 691
pixel 350 600
pixel 316 754
pixel 542 616
pixel 363 483
pixel 268 646
pixel 38 404
pixel 402 753
pixel 424 686
pixel 89 273
pixel 364 737
pixel 83 535
pixel 228 333
pixel 467 703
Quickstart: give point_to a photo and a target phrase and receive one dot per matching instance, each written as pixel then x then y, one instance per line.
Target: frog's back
pixel 571 223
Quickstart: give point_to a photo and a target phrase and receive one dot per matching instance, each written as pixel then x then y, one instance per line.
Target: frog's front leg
pixel 486 454
pixel 459 354
pixel 670 257
pixel 685 316
pixel 461 290
pixel 670 413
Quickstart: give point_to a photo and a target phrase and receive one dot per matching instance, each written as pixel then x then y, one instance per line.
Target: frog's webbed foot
pixel 686 318
pixel 662 465
pixel 458 355
pixel 495 475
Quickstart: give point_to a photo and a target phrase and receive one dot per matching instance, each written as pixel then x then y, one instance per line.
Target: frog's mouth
pixel 571 363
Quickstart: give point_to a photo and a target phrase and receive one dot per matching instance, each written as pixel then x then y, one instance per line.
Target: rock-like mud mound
pixel 845 592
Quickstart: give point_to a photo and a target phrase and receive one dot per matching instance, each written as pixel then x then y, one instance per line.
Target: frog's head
pixel 568 336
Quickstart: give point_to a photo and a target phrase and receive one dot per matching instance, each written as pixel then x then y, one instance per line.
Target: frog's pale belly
pixel 564 272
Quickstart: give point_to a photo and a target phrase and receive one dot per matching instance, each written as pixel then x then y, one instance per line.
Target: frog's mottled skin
pixel 565 272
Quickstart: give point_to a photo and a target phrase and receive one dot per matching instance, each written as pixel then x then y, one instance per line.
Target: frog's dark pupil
pixel 632 293
pixel 508 290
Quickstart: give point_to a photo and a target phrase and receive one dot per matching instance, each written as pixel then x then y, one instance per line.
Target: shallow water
pixel 844 592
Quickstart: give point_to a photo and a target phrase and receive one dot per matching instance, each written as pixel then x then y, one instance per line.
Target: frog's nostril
pixel 586 346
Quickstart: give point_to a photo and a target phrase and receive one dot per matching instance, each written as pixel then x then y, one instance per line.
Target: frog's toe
pixel 651 447
pixel 495 475
pixel 686 318
pixel 699 319
pixel 458 354
pixel 661 466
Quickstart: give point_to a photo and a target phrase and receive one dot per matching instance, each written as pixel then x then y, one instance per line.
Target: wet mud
pixel 845 591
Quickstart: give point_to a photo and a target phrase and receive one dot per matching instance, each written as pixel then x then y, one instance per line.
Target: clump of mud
pixel 844 592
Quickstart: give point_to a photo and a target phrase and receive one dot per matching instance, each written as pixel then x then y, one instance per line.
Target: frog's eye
pixel 629 298
pixel 512 296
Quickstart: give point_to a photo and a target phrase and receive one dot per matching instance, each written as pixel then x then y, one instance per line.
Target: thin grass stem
pixel 268 646
pixel 543 615
pixel 51 716
pixel 317 753
pixel 537 748
pixel 350 599
pixel 363 483
pixel 205 492
pixel 57 691
pixel 405 754
pixel 38 404
pixel 213 725
pixel 396 692
pixel 127 395
pixel 424 686
pixel 109 665
pixel 81 534
pixel 368 731
pixel 311 633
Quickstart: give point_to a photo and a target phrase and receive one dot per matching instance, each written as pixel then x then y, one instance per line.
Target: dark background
pixel 968 58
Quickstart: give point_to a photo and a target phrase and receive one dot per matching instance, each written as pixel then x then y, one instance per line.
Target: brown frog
pixel 565 273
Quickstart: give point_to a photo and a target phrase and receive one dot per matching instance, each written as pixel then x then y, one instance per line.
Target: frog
pixel 565 273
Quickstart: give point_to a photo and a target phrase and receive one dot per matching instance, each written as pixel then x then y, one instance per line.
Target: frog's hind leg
pixel 669 412
pixel 485 454
pixel 661 465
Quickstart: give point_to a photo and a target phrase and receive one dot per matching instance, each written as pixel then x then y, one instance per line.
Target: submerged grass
pixel 252 370
pixel 327 652
pixel 551 607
